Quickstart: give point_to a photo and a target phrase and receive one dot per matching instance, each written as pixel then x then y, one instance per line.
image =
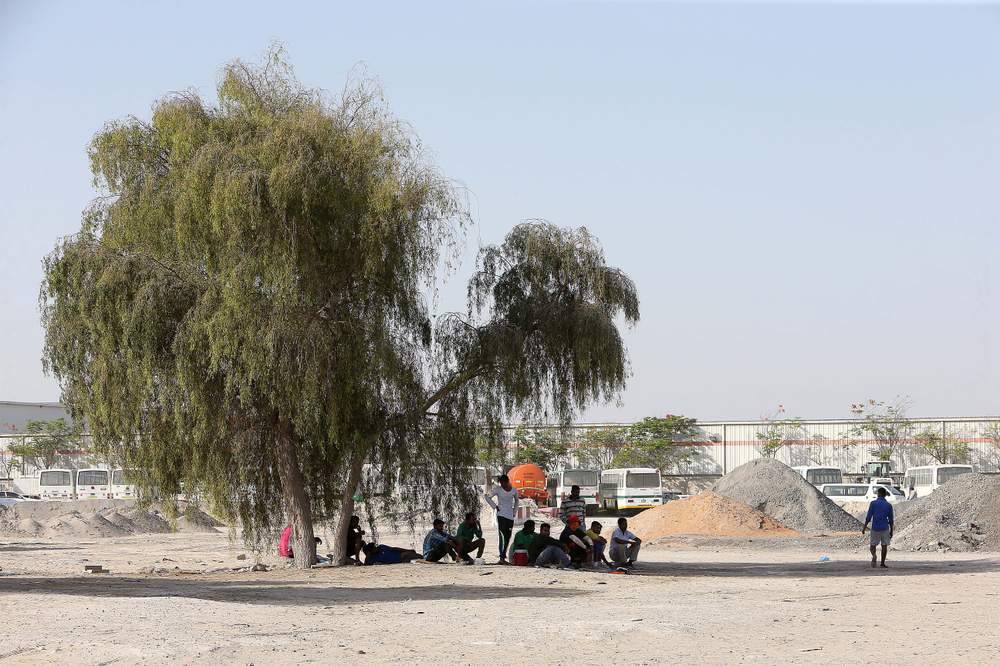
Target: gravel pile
pixel 96 518
pixel 962 515
pixel 706 513
pixel 777 490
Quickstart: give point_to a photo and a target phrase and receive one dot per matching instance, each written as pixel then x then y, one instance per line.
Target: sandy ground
pixel 713 604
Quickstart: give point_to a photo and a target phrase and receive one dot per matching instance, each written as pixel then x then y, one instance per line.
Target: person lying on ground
pixel 578 544
pixel 524 538
pixel 546 550
pixel 574 505
pixel 600 544
pixel 883 525
pixel 624 549
pixel 470 536
pixel 382 554
pixel 439 543
pixel 355 540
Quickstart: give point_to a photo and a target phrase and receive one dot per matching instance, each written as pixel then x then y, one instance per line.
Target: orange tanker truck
pixel 529 481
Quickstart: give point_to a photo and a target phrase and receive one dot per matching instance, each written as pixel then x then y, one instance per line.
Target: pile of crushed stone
pixel 962 515
pixel 97 518
pixel 707 513
pixel 775 489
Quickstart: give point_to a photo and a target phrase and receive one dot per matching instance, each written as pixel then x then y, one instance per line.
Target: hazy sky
pixel 806 195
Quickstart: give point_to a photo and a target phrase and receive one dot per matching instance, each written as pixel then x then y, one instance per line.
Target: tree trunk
pixel 339 550
pixel 297 505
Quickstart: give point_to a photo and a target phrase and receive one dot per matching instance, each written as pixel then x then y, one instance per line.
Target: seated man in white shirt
pixel 624 549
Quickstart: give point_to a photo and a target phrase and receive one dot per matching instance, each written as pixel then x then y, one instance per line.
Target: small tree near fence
pixel 546 447
pixel 884 424
pixel 660 443
pixel 45 442
pixel 597 448
pixel 942 448
pixel 777 432
pixel 991 456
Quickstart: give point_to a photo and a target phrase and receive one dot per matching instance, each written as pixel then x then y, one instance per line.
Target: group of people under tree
pixel 576 546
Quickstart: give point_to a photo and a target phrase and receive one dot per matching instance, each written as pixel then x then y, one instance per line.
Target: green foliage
pixel 943 448
pixel 599 446
pixel 776 432
pixel 546 447
pixel 885 424
pixel 45 442
pixel 662 443
pixel 246 310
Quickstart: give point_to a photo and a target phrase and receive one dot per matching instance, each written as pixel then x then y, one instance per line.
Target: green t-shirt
pixel 467 532
pixel 523 540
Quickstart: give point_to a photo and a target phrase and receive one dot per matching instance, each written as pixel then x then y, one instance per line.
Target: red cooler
pixel 520 558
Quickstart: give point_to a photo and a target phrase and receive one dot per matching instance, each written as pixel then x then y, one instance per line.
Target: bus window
pixel 642 480
pixel 948 473
pixel 580 477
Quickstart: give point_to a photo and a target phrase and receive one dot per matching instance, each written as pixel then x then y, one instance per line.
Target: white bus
pixel 93 484
pixel 559 484
pixel 821 475
pixel 921 481
pixel 56 484
pixel 630 489
pixel 121 485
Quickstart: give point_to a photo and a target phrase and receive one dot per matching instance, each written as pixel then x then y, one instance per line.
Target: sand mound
pixel 780 492
pixel 963 514
pixel 97 518
pixel 706 513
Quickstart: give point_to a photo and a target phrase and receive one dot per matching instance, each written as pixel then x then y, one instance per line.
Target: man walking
pixel 506 508
pixel 883 525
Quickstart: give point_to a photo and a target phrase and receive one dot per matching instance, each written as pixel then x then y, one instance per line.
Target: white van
pixel 560 483
pixel 820 475
pixel 844 493
pixel 922 481
pixel 93 484
pixel 121 485
pixel 630 489
pixel 57 484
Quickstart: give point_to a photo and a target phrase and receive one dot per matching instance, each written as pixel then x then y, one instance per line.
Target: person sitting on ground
pixel 355 540
pixel 624 549
pixel 578 544
pixel 574 505
pixel 439 543
pixel 285 546
pixel 883 525
pixel 546 550
pixel 470 536
pixel 524 538
pixel 382 554
pixel 600 544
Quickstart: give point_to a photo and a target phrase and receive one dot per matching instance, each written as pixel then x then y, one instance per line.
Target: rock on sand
pixel 963 514
pixel 706 513
pixel 774 488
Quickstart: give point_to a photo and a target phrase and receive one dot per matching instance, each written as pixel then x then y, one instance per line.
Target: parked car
pixel 10 498
pixel 842 493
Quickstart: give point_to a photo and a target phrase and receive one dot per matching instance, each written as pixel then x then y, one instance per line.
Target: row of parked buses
pixel 70 484
pixel 613 490
pixel 916 482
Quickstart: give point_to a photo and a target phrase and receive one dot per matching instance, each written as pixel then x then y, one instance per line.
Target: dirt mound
pixel 777 490
pixel 963 514
pixel 706 513
pixel 97 518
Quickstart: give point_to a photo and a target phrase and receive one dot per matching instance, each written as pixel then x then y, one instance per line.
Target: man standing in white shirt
pixel 624 545
pixel 503 499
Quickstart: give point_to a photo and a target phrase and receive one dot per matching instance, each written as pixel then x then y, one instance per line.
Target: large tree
pixel 247 309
